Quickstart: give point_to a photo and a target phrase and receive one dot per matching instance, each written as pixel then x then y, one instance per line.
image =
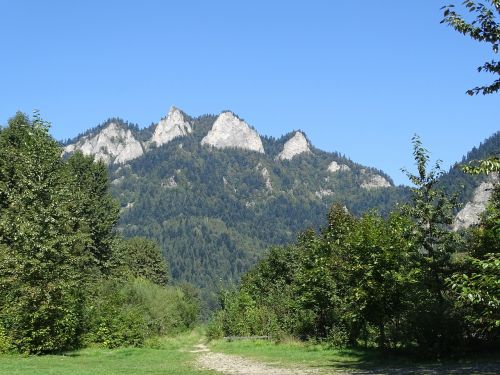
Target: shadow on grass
pixel 369 362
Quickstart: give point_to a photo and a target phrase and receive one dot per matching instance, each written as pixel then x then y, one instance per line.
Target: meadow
pixel 162 356
pixel 174 355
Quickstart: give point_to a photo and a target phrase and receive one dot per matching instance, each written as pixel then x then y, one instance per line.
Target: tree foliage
pixel 142 258
pixel 42 257
pixel 486 166
pixel 483 28
pixel 390 282
pixel 476 285
pixel 65 277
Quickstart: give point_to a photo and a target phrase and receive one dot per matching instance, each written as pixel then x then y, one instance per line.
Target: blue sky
pixel 359 77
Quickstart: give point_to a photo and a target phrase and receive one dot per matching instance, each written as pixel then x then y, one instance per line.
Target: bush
pixel 126 313
pixel 241 316
pixel 5 341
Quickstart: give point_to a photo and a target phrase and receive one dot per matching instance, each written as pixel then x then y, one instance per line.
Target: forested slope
pixel 215 210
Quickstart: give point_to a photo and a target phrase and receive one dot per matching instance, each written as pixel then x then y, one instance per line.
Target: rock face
pixel 374 182
pixel 470 214
pixel 173 126
pixel 267 179
pixel 336 167
pixel 323 193
pixel 294 146
pixel 170 183
pixel 113 144
pixel 229 131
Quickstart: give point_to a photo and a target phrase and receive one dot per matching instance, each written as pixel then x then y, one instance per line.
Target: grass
pixel 171 356
pixel 320 356
pixel 164 356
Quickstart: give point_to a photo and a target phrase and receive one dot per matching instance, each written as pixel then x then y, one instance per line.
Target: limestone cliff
pixel 337 167
pixel 113 144
pixel 294 146
pixel 228 131
pixel 173 126
pixel 470 214
pixel 266 176
pixel 375 181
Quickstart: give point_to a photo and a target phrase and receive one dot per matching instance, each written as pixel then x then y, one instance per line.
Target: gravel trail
pixel 235 365
pixel 230 364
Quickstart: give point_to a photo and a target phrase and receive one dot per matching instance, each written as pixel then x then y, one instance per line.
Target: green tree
pixel 486 166
pixel 484 28
pixel 41 257
pixel 476 285
pixel 477 294
pixel 434 327
pixel 96 210
pixel 143 258
pixel 380 275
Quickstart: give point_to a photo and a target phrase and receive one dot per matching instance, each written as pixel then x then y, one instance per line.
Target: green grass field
pixel 166 356
pixel 171 356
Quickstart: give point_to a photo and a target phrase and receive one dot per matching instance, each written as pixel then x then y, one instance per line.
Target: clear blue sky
pixel 359 77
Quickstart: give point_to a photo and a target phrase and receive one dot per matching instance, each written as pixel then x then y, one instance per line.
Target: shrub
pixel 126 313
pixel 5 341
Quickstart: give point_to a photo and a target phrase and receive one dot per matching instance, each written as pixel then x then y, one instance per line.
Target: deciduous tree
pixel 483 28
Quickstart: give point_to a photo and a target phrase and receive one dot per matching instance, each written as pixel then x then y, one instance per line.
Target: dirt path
pixel 236 365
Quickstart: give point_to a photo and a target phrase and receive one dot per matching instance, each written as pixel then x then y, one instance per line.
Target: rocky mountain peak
pixel 112 144
pixel 228 131
pixel 173 126
pixel 294 146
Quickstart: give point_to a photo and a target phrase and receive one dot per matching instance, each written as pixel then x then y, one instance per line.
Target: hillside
pixel 215 194
pixel 456 181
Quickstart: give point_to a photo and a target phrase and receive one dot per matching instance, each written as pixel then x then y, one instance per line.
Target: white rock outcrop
pixel 294 146
pixel 470 214
pixel 169 183
pixel 375 181
pixel 337 167
pixel 173 126
pixel 113 144
pixel 118 181
pixel 229 131
pixel 267 179
pixel 323 193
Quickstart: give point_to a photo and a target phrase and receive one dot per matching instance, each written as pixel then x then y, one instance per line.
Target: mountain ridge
pixel 215 211
pixel 226 116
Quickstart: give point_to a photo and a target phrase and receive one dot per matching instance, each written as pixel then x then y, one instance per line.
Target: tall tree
pixel 41 256
pixel 94 209
pixel 432 212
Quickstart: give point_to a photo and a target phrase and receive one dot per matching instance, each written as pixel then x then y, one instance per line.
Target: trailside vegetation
pixel 66 278
pixel 404 282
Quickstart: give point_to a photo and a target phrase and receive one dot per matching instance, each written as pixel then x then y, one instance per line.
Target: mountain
pixel 215 194
pixel 473 192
